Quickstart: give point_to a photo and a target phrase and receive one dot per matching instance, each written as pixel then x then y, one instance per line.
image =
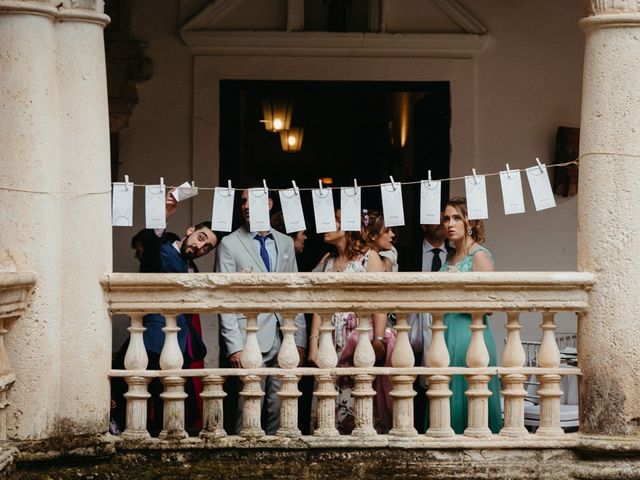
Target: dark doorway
pixel 362 130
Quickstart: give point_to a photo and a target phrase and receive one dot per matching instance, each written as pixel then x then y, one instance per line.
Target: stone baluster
pixel 173 394
pixel 363 393
pixel 251 393
pixel 403 392
pixel 549 391
pixel 288 357
pixel 326 389
pixel 478 392
pixel 137 394
pixel 439 393
pixel 212 413
pixel 514 392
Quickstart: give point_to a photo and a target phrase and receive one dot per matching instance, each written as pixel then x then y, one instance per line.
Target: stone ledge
pixel 84 446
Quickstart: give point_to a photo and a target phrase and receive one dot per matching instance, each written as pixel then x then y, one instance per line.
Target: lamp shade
pixel 291 139
pixel 277 114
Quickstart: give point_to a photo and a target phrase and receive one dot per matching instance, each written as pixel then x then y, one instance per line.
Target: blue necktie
pixel 263 251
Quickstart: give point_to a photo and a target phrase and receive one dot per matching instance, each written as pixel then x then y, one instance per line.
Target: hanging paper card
pixel 184 191
pixel 122 205
pixel 476 197
pixel 259 210
pixel 392 207
pixel 540 187
pixel 154 206
pixel 323 210
pixel 430 199
pixel 350 202
pixel 222 212
pixel 292 210
pixel 512 198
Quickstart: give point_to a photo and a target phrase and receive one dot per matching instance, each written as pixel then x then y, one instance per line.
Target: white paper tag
pixel 184 191
pixel 154 206
pixel 222 212
pixel 259 210
pixel 476 197
pixel 323 210
pixel 122 205
pixel 540 188
pixel 392 207
pixel 291 203
pixel 430 208
pixel 350 203
pixel 512 197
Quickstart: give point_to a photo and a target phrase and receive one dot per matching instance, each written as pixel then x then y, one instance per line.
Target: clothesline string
pixel 415 182
pixel 374 185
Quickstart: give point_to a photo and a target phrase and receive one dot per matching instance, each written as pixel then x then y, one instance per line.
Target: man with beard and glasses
pixel 160 256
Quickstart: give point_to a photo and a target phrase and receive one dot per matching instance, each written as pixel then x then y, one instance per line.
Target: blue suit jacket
pixel 167 260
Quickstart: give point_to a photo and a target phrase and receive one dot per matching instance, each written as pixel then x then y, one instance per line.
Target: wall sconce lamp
pixel 291 139
pixel 277 114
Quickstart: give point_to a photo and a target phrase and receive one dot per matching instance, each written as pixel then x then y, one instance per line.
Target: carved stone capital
pixel 598 7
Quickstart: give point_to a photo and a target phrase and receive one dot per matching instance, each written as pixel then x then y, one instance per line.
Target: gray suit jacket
pixel 238 250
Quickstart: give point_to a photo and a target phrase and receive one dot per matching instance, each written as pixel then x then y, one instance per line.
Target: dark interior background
pixel 346 136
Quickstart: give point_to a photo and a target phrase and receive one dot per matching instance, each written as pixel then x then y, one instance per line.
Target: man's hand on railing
pixel 234 359
pixel 301 354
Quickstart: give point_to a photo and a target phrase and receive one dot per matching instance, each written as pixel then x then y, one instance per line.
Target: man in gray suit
pixel 246 251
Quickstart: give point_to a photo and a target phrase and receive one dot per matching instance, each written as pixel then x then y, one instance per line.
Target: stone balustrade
pixel 15 289
pixel 326 293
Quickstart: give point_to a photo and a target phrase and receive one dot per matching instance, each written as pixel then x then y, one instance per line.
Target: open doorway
pixel 362 130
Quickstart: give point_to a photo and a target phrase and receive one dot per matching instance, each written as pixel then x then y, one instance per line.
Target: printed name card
pixel 540 187
pixel 392 207
pixel 292 210
pixel 154 206
pixel 122 205
pixel 350 203
pixel 184 191
pixel 323 210
pixel 259 210
pixel 476 190
pixel 512 197
pixel 430 198
pixel 222 211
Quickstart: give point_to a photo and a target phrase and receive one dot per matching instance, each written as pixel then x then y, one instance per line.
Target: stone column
pixel 86 250
pixel 54 157
pixel 608 219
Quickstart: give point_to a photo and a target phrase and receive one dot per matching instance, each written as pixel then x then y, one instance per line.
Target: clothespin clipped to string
pixel 540 166
pixel 126 183
pixel 355 186
pixel 162 181
pixel 475 176
pixel 508 171
pixel 296 190
pixel 229 187
pixel 393 183
pixel 264 186
pixel 429 178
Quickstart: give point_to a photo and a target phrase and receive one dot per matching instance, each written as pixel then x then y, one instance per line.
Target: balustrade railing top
pixel 327 293
pixel 364 294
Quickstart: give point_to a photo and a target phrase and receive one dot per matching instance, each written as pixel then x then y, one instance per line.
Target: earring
pixel 470 231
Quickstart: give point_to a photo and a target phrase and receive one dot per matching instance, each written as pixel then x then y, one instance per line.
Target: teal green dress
pixel 457 337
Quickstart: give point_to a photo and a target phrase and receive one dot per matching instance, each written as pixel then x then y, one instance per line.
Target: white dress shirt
pixel 427 255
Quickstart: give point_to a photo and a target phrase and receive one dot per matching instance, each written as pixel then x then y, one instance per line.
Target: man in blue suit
pixel 161 256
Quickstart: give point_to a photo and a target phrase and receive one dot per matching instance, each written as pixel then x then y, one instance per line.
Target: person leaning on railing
pixel 353 255
pixel 467 256
pixel 160 256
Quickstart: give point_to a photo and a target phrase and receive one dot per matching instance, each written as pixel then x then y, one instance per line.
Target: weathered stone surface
pixel 340 463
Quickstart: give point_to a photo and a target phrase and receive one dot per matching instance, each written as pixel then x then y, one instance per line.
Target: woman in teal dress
pixel 466 236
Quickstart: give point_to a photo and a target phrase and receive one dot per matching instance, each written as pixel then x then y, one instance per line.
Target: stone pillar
pixel 86 250
pixel 608 219
pixel 53 208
